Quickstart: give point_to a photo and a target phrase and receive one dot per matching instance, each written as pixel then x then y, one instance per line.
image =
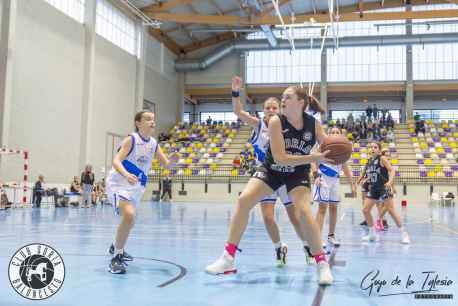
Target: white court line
pixel 445 227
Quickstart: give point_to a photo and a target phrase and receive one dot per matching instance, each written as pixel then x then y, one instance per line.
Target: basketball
pixel 339 146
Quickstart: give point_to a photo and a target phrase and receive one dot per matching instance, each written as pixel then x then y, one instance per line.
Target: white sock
pixel 402 229
pixel 305 243
pixel 371 230
pixel 277 245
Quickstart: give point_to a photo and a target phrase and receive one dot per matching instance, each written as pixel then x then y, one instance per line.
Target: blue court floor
pixel 172 244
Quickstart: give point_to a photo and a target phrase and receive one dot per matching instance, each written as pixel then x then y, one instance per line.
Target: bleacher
pixel 436 149
pixel 209 151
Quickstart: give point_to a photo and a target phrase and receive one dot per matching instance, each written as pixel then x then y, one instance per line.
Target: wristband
pixel 235 94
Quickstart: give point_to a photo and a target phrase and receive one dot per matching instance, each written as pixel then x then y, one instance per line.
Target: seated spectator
pixel 209 121
pixel 4 202
pixel 75 186
pixel 236 162
pixel 450 195
pixel 390 136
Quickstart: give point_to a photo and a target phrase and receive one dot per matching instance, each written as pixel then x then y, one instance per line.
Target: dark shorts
pixel 380 195
pixel 275 179
pixel 365 187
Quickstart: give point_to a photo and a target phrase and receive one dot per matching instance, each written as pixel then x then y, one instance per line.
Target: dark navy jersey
pixel 376 173
pixel 297 142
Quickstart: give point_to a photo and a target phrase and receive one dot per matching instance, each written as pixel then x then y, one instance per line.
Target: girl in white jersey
pixel 314 108
pixel 326 192
pixel 260 140
pixel 127 180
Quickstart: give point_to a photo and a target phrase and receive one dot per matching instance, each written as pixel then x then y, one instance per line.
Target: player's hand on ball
pixel 319 157
pixel 236 83
pixel 132 179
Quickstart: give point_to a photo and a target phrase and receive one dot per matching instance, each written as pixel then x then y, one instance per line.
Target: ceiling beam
pixel 219 11
pixel 322 18
pixel 267 11
pixel 226 36
pixel 167 41
pixel 164 6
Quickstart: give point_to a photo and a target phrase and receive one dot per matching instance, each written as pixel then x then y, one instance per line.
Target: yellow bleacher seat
pixel 428 162
pixel 363 161
pixel 394 161
pixel 414 139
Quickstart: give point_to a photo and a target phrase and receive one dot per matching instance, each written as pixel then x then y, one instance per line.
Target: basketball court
pixel 78 76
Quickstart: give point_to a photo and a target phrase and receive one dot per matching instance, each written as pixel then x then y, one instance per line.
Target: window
pixel 116 27
pixel 437 114
pixel 283 66
pixel 368 28
pixel 355 64
pixel 187 117
pixel 435 62
pixel 218 116
pixel 72 8
pixel 429 26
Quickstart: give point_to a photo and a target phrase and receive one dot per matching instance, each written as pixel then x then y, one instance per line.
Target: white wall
pixel 47 91
pixel 219 73
pixel 114 97
pixel 162 84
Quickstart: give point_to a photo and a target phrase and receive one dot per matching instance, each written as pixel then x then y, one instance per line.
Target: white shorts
pixel 279 193
pixel 327 191
pixel 117 191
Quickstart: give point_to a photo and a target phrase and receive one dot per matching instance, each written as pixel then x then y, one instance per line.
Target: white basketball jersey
pixel 141 156
pixel 314 114
pixel 260 140
pixel 330 170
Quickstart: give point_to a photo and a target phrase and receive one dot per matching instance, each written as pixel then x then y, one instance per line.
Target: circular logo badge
pixel 36 271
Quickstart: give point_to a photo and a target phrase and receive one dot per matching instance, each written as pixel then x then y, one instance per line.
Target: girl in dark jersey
pixel 287 162
pixel 380 177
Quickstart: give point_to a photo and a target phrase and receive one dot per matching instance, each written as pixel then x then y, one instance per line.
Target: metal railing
pixel 225 174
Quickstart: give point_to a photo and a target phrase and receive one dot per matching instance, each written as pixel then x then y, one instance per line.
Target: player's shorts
pixel 328 191
pixel 365 187
pixel 117 191
pixel 279 193
pixel 276 179
pixel 380 195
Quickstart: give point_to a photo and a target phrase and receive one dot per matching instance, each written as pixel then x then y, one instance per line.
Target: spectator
pixel 75 188
pixel 416 117
pixel 209 121
pixel 389 121
pixel 369 112
pixel 87 181
pixel 375 111
pixel 384 113
pixel 38 191
pixel 4 202
pixel 236 162
pixel 166 189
